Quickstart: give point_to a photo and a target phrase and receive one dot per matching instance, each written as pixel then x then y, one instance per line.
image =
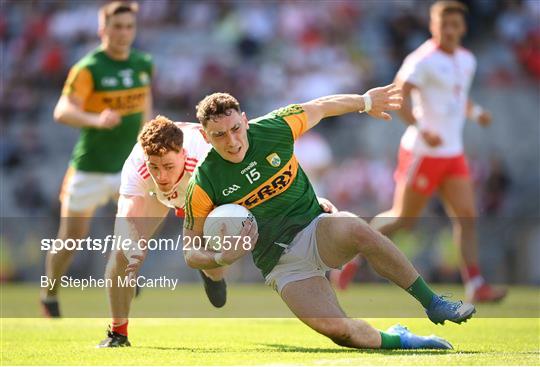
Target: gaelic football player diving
pixel 294 243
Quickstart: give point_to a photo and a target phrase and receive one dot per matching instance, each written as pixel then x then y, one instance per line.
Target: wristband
pixel 476 112
pixel 218 258
pixel 367 103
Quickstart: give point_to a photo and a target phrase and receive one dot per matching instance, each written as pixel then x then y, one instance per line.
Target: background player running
pixel 106 95
pixel 295 242
pixel 435 80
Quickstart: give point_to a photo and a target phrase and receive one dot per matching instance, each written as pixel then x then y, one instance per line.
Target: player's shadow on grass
pixel 186 349
pixel 284 348
pixel 296 349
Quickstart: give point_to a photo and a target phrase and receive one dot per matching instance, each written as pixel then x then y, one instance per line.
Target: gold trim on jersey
pixel 125 101
pixel 275 185
pixel 197 207
pixel 297 122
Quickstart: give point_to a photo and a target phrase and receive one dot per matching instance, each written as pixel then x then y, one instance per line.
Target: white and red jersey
pixel 440 101
pixel 137 181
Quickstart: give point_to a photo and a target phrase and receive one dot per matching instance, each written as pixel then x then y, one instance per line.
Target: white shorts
pixel 300 260
pixel 83 191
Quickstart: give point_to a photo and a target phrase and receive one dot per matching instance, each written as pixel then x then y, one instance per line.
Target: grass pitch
pixel 260 341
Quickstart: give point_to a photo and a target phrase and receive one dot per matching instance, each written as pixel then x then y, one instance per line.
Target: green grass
pixel 254 301
pixel 257 341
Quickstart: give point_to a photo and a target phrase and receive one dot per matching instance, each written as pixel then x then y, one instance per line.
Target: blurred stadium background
pixel 269 54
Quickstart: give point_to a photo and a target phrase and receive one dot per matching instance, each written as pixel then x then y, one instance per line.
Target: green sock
pixel 421 291
pixel 390 341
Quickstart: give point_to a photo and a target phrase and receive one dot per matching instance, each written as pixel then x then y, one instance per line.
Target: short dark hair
pixel 216 105
pixel 116 7
pixel 160 136
pixel 442 7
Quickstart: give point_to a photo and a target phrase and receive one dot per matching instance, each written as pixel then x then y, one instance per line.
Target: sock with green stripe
pixel 390 341
pixel 421 291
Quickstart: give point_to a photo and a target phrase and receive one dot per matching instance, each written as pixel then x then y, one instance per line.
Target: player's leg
pixel 457 194
pixel 120 297
pixel 80 195
pixel 411 195
pixel 75 217
pixel 341 236
pixel 73 225
pixel 407 206
pixel 314 302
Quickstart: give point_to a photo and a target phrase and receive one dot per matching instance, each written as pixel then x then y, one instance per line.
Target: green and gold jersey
pixel 269 182
pixel 123 86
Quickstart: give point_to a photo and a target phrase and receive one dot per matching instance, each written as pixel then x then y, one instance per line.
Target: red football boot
pixel 486 293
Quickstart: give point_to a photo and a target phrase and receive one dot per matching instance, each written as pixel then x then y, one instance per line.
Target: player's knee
pixel 364 236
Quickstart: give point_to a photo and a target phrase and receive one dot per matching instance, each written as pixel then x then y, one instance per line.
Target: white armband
pixel 367 103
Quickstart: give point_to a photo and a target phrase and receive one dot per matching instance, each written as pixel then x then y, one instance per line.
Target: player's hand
pixel 432 139
pixel 108 119
pixel 485 118
pixel 135 258
pixel 383 99
pixel 327 205
pixel 248 239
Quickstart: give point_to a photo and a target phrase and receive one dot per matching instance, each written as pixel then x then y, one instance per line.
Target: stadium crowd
pixel 267 53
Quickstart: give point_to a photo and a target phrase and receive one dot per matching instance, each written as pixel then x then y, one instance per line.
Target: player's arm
pixel 476 113
pixel 195 257
pixel 198 206
pixel 138 214
pixel 69 108
pixel 200 258
pixel 375 102
pixel 68 111
pixel 136 219
pixel 406 111
pixel 407 116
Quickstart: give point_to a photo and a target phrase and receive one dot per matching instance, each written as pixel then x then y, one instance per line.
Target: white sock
pixel 473 284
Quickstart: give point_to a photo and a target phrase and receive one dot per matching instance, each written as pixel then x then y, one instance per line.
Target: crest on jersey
pixel 144 78
pixel 274 160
